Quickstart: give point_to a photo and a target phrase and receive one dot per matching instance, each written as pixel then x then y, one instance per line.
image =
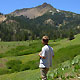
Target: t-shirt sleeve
pixel 52 52
pixel 43 52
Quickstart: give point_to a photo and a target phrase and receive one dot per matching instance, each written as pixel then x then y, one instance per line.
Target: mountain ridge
pixel 33 12
pixel 37 11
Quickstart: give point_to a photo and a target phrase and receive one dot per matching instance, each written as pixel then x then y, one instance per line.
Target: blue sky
pixel 7 6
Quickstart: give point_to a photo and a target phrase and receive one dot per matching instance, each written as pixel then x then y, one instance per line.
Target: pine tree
pixel 71 35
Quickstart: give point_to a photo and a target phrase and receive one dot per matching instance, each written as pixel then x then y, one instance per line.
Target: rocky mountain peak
pixel 46 5
pixel 33 12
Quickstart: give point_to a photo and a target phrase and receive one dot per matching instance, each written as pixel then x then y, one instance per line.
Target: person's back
pixel 47 62
pixel 45 58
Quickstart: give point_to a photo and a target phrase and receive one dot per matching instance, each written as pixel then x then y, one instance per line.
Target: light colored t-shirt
pixel 46 52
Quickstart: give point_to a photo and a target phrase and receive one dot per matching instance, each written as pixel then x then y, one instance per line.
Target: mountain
pixel 34 12
pixel 33 23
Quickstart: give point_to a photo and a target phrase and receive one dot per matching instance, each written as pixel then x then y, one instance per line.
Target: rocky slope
pixel 34 12
pixel 2 18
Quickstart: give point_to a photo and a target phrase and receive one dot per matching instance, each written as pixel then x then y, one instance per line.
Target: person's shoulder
pixel 44 47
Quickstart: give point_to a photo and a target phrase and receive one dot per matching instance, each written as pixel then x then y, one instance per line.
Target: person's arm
pixel 42 56
pixel 52 53
pixel 53 56
pixel 42 53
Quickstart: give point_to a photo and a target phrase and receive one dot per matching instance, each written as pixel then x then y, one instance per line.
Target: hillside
pixel 69 70
pixel 64 50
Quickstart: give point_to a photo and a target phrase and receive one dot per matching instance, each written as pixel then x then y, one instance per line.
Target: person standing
pixel 45 57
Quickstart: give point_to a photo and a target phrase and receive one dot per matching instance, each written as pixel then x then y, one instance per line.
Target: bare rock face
pixel 11 21
pixel 2 18
pixel 33 12
pixel 49 21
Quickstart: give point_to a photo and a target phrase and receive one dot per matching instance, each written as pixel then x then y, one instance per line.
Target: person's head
pixel 45 40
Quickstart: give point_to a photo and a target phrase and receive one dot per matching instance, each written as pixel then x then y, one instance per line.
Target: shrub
pixel 4 71
pixel 71 36
pixel 14 65
pixel 1 55
pixel 33 64
pixel 17 66
pixel 25 67
pixel 30 65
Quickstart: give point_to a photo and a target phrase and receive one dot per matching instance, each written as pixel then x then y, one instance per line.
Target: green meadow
pixel 19 60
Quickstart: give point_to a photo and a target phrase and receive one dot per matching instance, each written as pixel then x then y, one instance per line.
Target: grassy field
pixel 63 49
pixel 25 75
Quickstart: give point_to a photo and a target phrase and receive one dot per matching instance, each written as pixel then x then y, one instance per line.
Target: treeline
pixel 21 28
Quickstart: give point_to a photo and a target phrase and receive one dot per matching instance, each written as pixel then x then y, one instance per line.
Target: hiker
pixel 45 57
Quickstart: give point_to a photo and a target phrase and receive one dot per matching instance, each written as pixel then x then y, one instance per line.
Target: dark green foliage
pixel 25 67
pixel 14 65
pixel 30 65
pixel 1 55
pixel 71 36
pixel 4 71
pixel 33 64
pixel 77 67
pixel 17 66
